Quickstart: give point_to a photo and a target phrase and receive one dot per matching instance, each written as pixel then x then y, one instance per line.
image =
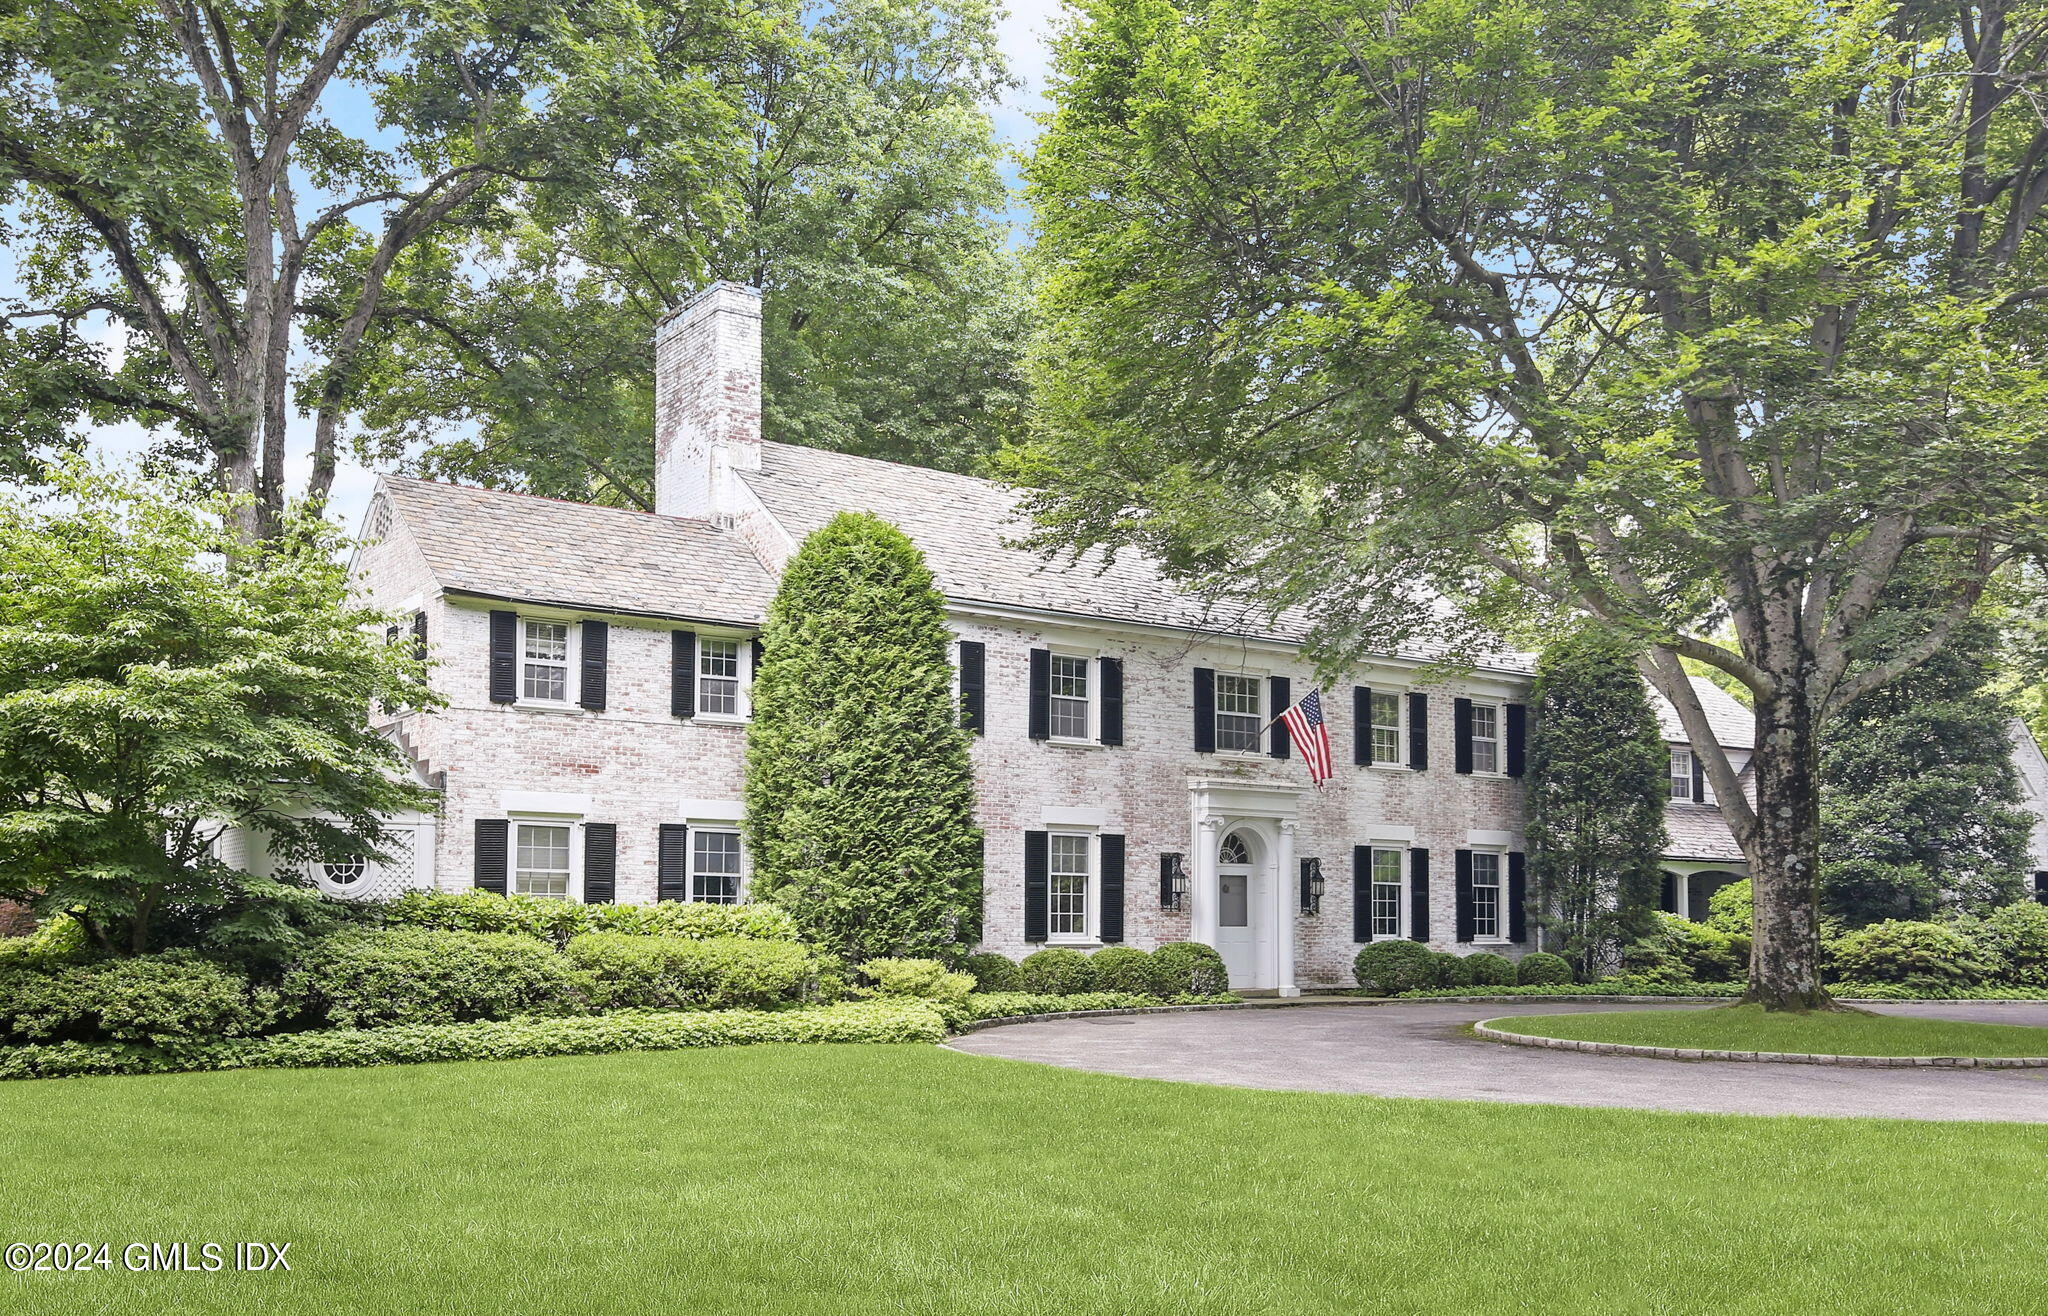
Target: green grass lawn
pixel 1752 1028
pixel 844 1179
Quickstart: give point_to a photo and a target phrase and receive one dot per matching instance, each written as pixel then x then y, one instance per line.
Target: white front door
pixel 1237 903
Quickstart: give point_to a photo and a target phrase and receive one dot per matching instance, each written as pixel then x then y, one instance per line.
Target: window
pixel 1485 896
pixel 714 866
pixel 1237 713
pixel 1386 893
pixel 1069 697
pixel 718 676
pixel 1386 728
pixel 1486 738
pixel 345 872
pixel 1067 885
pixel 544 672
pixel 541 867
pixel 1681 774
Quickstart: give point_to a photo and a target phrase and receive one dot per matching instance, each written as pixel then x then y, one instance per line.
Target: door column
pixel 1284 905
pixel 1202 895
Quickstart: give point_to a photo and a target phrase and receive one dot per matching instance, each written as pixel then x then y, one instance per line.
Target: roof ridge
pixel 885 461
pixel 542 498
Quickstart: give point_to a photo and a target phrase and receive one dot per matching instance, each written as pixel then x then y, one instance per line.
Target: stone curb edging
pixel 976 1025
pixel 1482 1029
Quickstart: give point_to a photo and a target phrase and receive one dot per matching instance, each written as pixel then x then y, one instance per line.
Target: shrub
pixel 1680 951
pixel 2014 941
pixel 1123 969
pixel 1728 909
pixel 1919 955
pixel 559 920
pixel 695 919
pixel 150 998
pixel 368 977
pixel 991 972
pixel 1188 968
pixel 1386 967
pixel 1005 1005
pixel 1490 970
pixel 1055 971
pixel 1543 969
pixel 1452 970
pixel 630 972
pixel 927 979
pixel 56 941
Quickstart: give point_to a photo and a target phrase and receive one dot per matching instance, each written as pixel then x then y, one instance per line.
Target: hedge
pixel 559 920
pixel 149 999
pixel 371 977
pixel 895 1020
pixel 627 971
pixel 1003 1005
pixel 1611 987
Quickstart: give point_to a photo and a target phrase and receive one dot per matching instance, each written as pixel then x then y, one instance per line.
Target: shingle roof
pixel 542 550
pixel 1698 831
pixel 1734 725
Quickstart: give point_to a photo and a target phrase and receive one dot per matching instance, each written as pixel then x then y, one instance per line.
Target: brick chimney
pixel 707 401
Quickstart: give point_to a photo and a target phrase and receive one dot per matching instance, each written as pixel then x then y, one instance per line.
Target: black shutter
pixel 1036 865
pixel 504 657
pixel 1111 923
pixel 672 863
pixel 1039 723
pixel 1361 893
pixel 1282 695
pixel 682 668
pixel 1205 710
pixel 1518 737
pixel 1518 897
pixel 1112 670
pixel 419 637
pixel 1464 893
pixel 493 844
pixel 1361 725
pixel 974 686
pixel 1461 735
pixel 1418 732
pixel 1418 894
pixel 1699 779
pixel 1667 895
pixel 596 654
pixel 2041 888
pixel 600 863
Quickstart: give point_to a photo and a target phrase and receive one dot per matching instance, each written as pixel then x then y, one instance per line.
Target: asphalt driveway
pixel 1420 1049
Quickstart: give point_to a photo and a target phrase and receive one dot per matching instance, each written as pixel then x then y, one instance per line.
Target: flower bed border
pixel 1484 1029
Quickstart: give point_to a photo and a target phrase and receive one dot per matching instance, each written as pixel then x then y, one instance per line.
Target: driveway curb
pixel 1483 1029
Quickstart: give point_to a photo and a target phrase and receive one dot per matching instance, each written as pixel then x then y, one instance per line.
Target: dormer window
pixel 1681 773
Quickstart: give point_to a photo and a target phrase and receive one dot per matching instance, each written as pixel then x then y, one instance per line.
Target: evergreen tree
pixel 1598 773
pixel 860 795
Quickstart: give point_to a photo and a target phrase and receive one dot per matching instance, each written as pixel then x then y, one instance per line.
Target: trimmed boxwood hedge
pixel 991 972
pixel 367 977
pixel 1490 970
pixel 1386 967
pixel 1188 968
pixel 173 996
pixel 1123 969
pixel 626 972
pixel 1542 969
pixel 1004 1005
pixel 559 920
pixel 1055 971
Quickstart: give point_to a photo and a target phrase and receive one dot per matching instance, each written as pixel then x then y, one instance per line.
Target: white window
pixel 1386 728
pixel 1070 697
pixel 714 866
pixel 541 865
pixel 1486 896
pixel 1386 893
pixel 544 665
pixel 1067 875
pixel 1681 774
pixel 1238 709
pixel 718 676
pixel 1486 738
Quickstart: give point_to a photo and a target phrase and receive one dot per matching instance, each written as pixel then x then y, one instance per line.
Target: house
pixel 1701 855
pixel 597 669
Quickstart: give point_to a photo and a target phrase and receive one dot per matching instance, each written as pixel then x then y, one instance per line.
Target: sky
pixel 1024 36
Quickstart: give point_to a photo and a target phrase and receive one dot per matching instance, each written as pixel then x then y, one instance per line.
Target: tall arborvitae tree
pixel 1598 774
pixel 860 795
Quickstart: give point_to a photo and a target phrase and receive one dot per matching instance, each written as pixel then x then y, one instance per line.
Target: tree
pixel 1599 776
pixel 840 158
pixel 859 792
pixel 1671 316
pixel 155 692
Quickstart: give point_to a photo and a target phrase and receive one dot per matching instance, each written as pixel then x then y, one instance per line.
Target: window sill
pixel 1490 941
pixel 549 706
pixel 1062 742
pixel 1388 936
pixel 719 720
pixel 1389 767
pixel 1074 943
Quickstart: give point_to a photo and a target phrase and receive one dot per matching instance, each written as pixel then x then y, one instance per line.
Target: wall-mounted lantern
pixel 1173 882
pixel 1311 887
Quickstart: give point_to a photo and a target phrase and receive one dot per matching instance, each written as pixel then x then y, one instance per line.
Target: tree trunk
pixel 1784 855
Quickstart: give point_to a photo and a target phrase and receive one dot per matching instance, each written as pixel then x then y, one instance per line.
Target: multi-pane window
pixel 1067 885
pixel 541 866
pixel 1485 894
pixel 1485 738
pixel 1386 728
pixel 1386 893
pixel 718 676
pixel 1069 697
pixel 544 670
pixel 1237 712
pixel 1681 774
pixel 714 866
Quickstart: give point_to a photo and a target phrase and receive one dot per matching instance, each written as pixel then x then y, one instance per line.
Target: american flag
pixel 1305 724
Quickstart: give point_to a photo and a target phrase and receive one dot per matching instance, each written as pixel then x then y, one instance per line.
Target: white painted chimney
pixel 707 401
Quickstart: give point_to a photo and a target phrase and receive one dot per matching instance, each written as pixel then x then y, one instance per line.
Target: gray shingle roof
pixel 1733 724
pixel 1698 831
pixel 542 550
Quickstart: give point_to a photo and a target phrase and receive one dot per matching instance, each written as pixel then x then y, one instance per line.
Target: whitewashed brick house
pixel 596 665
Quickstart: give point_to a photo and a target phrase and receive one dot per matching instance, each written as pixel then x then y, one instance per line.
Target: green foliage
pixel 1490 970
pixel 368 978
pixel 1680 951
pixel 1123 969
pixel 860 795
pixel 1055 971
pixel 1543 969
pixel 1010 1005
pixel 1188 968
pixel 172 997
pixel 1917 955
pixel 1621 985
pixel 628 971
pixel 927 979
pixel 158 685
pixel 1728 908
pixel 56 941
pixel 1386 968
pixel 2013 940
pixel 991 972
pixel 1452 970
pixel 559 920
pixel 1598 775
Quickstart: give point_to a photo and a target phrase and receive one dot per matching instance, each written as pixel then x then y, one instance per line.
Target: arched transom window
pixel 1234 850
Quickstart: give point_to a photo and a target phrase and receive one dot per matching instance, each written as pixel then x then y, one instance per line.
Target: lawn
pixel 1752 1028
pixel 839 1179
